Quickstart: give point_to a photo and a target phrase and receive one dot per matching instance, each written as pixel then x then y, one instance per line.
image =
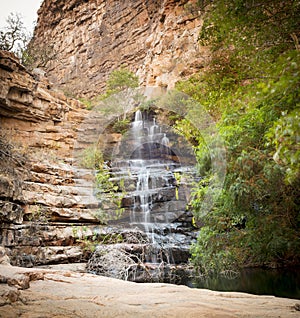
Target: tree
pixel 121 79
pixel 14 37
pixel 17 39
pixel 120 95
pixel 37 56
pixel 251 87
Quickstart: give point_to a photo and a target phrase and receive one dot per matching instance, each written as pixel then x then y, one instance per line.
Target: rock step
pixel 37 243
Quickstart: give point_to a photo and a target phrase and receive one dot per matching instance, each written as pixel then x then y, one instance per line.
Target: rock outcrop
pixel 52 293
pixel 156 39
pixel 41 192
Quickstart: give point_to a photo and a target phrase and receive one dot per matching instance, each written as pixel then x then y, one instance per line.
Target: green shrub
pixel 251 89
pixel 121 126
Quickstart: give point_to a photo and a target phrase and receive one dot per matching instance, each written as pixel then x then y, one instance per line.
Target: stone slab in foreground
pixel 33 293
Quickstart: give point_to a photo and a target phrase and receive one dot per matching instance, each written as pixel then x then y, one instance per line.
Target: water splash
pixel 165 141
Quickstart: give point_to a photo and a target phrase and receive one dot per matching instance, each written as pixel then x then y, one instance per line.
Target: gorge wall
pixel 156 39
pixel 47 203
pixel 48 210
pixel 39 196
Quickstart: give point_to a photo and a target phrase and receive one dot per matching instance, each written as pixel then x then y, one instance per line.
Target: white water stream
pixel 150 171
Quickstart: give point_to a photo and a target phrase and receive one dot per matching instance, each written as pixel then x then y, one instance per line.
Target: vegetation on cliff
pixel 14 37
pixel 251 89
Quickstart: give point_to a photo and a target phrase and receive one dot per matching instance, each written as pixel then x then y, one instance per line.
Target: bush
pixel 121 126
pixel 251 88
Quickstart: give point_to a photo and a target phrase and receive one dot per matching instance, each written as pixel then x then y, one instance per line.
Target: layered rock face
pixel 156 39
pixel 39 186
pixel 48 209
pixel 46 199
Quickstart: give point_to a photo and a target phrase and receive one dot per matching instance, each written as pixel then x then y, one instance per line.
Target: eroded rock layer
pixel 157 39
pixel 41 192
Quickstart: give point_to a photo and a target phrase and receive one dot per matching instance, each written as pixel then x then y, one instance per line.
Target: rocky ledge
pixel 39 185
pixel 49 293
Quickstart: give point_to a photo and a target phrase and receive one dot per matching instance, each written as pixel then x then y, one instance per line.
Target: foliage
pixel 110 195
pixel 251 88
pixel 15 38
pixel 87 102
pixel 91 157
pixel 120 95
pixel 120 80
pixel 109 192
pixel 37 55
pixel 147 105
pixel 285 135
pixel 90 239
pixel 121 126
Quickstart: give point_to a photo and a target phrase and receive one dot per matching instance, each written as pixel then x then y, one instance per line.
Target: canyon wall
pixel 156 39
pixel 41 192
pixel 46 199
pixel 48 209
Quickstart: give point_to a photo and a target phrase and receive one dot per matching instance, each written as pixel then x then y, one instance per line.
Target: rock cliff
pixel 156 39
pixel 38 188
pixel 48 210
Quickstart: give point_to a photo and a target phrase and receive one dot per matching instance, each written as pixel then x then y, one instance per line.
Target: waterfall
pixel 137 131
pixel 138 116
pixel 165 141
pixel 153 130
pixel 154 203
pixel 137 125
pixel 142 190
pixel 153 177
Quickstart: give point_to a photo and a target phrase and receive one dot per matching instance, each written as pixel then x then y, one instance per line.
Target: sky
pixel 27 8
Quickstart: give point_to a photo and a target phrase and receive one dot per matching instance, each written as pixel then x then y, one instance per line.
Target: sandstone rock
pixel 8 296
pixel 9 62
pixel 11 212
pixel 19 281
pixel 10 186
pixel 157 40
pixel 29 256
pixel 4 259
pixel 42 123
pixel 68 294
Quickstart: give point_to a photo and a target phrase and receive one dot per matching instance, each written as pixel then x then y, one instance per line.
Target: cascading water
pixel 153 169
pixel 165 141
pixel 155 202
